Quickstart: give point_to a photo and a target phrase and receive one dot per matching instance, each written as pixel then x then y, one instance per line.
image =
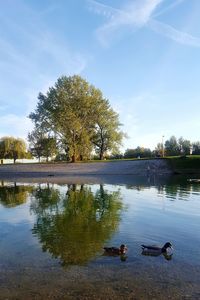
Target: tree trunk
pixel 101 155
pixel 74 148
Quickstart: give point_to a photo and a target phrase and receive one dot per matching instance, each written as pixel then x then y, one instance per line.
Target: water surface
pixel 52 238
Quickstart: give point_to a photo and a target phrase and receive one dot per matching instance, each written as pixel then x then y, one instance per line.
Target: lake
pixel 52 237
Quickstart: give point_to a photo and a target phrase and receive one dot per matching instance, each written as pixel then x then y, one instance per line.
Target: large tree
pixel 106 135
pixel 13 148
pixel 80 117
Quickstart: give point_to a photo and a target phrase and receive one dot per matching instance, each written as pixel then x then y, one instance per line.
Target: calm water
pixel 52 235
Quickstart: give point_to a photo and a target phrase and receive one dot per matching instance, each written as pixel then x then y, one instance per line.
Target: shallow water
pixel 52 238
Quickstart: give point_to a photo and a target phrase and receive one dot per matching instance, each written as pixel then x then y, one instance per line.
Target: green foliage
pixel 172 146
pixel 13 148
pixel 175 146
pixel 137 152
pixel 106 135
pixel 49 147
pixel 34 138
pixel 42 145
pixel 80 117
pixel 196 148
pixel 184 146
pixel 159 150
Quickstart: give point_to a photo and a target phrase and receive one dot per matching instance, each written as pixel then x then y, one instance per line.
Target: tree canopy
pixel 42 145
pixel 79 116
pixel 137 152
pixel 175 146
pixel 13 148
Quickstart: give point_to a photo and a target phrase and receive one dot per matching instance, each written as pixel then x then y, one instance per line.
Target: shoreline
pixel 92 172
pixel 137 167
pixel 116 172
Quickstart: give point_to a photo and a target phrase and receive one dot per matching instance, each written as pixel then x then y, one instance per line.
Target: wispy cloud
pixel 168 8
pixel 37 52
pixel 137 14
pixel 32 55
pixel 174 34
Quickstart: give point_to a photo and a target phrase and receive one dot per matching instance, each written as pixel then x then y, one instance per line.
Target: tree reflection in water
pixel 13 194
pixel 74 227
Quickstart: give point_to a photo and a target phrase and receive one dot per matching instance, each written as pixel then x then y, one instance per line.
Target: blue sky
pixel 144 55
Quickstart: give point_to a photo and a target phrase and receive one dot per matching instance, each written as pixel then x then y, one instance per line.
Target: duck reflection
pixel 74 226
pixel 165 255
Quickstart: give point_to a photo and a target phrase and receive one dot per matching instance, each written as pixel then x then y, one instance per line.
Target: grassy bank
pixel 184 164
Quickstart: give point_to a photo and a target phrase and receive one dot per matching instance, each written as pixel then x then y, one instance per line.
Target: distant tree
pixel 35 146
pixel 172 146
pixel 138 152
pixel 184 146
pixel 129 153
pixel 18 149
pixel 78 114
pixel 13 148
pixel 49 147
pixel 116 155
pixel 196 148
pixel 42 145
pixel 29 155
pixel 159 150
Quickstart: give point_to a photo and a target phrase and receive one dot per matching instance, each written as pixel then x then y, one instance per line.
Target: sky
pixel 144 55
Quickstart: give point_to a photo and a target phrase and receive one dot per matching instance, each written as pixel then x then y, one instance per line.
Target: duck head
pixel 123 249
pixel 166 245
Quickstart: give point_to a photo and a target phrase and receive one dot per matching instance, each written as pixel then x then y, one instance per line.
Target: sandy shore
pixel 116 171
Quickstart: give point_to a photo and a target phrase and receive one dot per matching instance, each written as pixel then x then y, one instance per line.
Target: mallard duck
pixel 116 251
pixel 155 250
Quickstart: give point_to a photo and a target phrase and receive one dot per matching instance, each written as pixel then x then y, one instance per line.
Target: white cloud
pixel 137 14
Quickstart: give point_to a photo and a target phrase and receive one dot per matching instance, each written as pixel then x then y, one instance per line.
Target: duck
pixel 156 250
pixel 115 251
